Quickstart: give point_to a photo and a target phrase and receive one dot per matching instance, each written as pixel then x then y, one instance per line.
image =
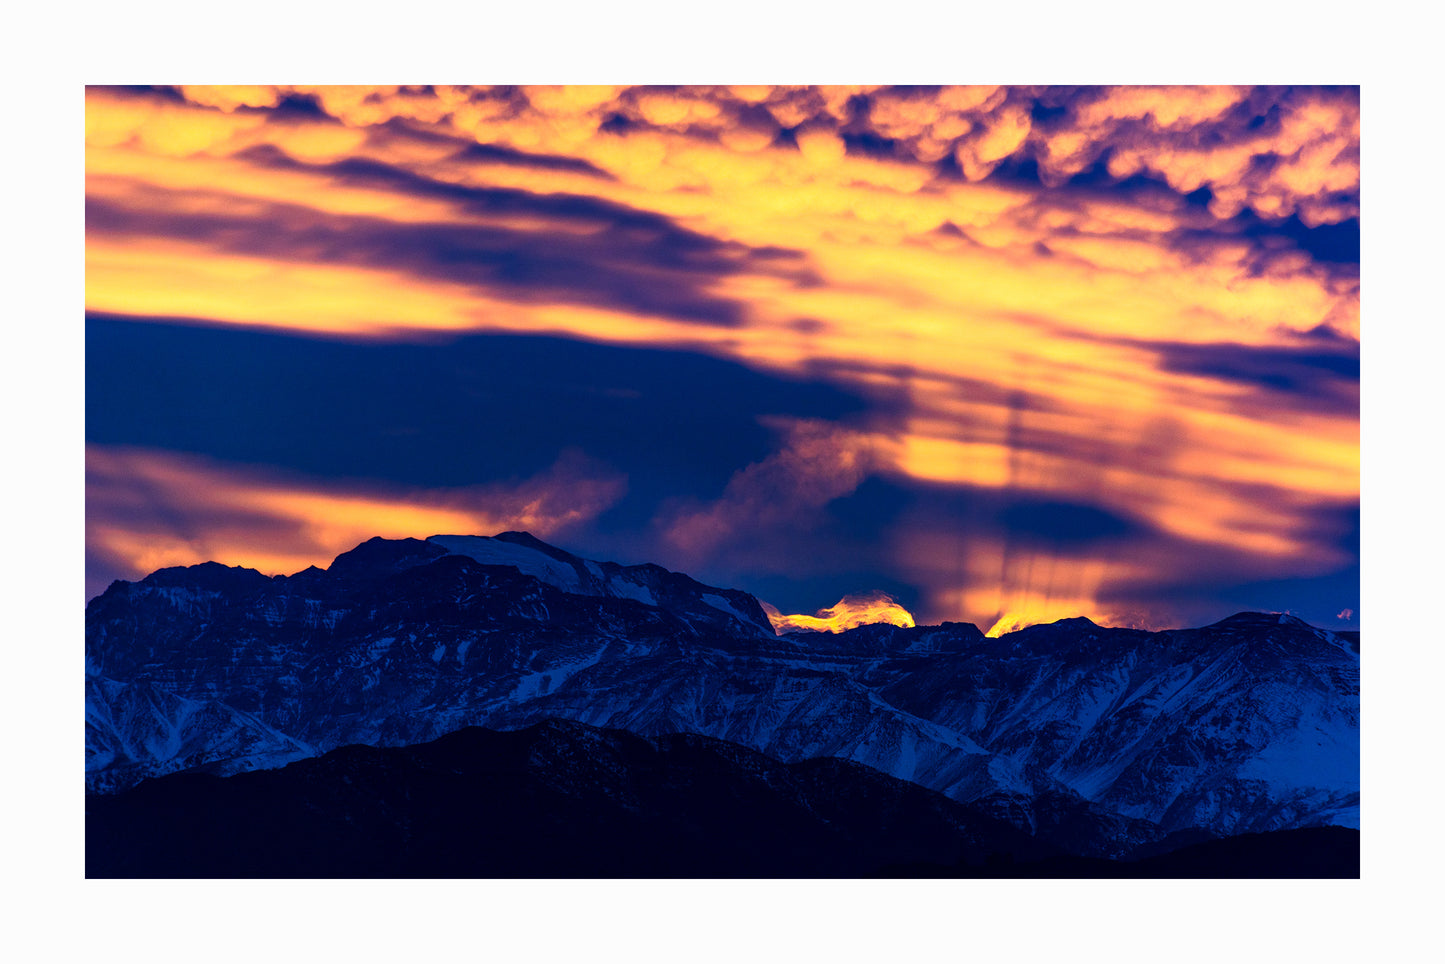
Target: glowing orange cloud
pixel 147 510
pixel 1014 620
pixel 850 611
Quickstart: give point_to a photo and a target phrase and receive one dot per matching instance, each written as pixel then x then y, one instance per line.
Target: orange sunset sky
pixel 1002 354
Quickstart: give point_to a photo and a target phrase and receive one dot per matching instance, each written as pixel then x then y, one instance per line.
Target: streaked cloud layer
pixel 1099 346
pixel 152 509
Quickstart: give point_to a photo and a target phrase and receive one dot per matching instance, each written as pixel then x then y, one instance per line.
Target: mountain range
pixel 1095 742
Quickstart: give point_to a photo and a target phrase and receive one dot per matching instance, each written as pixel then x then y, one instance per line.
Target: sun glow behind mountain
pixel 854 610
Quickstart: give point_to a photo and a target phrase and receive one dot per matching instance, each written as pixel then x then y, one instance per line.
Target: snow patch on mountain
pixel 562 570
pixel 135 730
pixel 626 589
pixel 1319 755
pixel 542 682
pixel 718 602
pixel 494 552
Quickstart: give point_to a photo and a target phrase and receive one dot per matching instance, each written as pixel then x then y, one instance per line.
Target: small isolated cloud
pixel 853 610
pixel 1345 614
pixel 818 463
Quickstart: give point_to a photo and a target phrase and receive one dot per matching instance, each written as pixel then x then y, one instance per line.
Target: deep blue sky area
pixel 457 412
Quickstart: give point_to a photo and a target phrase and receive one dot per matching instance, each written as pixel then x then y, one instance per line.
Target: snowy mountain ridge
pixel 1100 738
pixel 649 584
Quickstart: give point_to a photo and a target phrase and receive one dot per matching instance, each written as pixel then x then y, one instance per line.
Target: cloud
pixel 1275 150
pixel 492 242
pixel 1278 151
pixel 1345 615
pixel 1305 377
pixel 159 125
pixel 860 609
pixel 817 463
pixel 228 98
pixel 146 509
pixel 724 198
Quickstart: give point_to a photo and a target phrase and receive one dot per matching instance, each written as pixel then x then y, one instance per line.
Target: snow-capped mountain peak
pixel 648 584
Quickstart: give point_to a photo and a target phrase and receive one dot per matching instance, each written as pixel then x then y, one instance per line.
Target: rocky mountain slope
pixel 1097 739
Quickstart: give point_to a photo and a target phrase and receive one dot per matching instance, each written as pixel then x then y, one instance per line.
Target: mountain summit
pixel 681 595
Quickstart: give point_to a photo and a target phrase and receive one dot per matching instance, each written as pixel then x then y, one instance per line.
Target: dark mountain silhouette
pixel 1308 853
pixel 557 799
